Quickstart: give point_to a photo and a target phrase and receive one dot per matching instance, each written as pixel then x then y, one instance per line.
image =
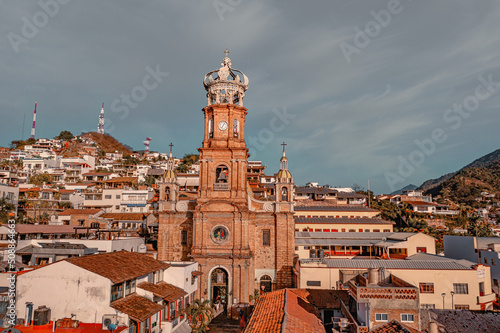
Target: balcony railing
pixel 382 292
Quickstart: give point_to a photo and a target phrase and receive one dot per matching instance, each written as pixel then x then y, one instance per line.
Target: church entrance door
pixel 219 286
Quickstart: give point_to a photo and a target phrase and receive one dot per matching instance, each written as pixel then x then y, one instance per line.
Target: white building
pixel 125 287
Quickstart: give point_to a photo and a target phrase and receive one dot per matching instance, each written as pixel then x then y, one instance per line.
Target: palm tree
pixel 200 313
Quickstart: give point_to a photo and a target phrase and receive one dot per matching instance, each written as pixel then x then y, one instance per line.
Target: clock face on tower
pixel 223 126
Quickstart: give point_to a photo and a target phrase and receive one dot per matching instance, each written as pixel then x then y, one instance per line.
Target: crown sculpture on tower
pixel 228 87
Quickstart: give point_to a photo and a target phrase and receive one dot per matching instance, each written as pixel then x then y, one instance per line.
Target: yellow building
pixel 443 283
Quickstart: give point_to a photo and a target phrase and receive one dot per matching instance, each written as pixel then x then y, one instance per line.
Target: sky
pixel 381 92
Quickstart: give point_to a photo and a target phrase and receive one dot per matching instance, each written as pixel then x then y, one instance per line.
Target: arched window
pixel 284 194
pixel 211 127
pixel 236 128
pixel 265 284
pixel 167 193
pixel 221 174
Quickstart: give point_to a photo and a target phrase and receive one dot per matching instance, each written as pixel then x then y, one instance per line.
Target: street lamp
pixel 443 294
pixel 452 293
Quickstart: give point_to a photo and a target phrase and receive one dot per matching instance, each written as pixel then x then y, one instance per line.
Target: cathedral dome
pixel 228 86
pixel 284 174
pixel 169 175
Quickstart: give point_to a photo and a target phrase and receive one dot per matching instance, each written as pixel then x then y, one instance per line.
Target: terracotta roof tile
pixel 340 220
pixel 119 266
pixel 125 216
pixel 137 307
pixel 339 208
pixel 79 211
pixel 284 311
pixel 166 291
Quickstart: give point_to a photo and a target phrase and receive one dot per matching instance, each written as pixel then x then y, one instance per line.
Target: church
pixel 243 245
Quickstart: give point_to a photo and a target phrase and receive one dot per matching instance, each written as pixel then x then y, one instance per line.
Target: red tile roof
pixel 125 216
pixel 340 220
pixel 119 266
pixel 80 211
pixel 284 311
pixel 137 307
pixel 166 291
pixel 122 180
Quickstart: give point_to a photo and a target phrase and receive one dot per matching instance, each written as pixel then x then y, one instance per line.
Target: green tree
pixel 65 135
pixel 201 314
pixel 182 168
pixel 190 159
pixel 41 178
pixel 5 208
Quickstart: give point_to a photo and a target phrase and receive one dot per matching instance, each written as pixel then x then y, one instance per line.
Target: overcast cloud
pixel 354 120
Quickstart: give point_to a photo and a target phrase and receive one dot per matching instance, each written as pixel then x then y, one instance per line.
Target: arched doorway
pixel 219 282
pixel 265 284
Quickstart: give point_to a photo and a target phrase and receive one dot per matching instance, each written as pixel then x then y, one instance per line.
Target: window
pixel 343 230
pixel 236 127
pixel 284 194
pixel 495 282
pixel 317 230
pixel 461 307
pixel 427 306
pixel 335 230
pixel 486 260
pixel 107 196
pixel 326 230
pixel 387 230
pixel 265 283
pixel 381 317
pixel 427 288
pixel 352 230
pixel 461 288
pixel 117 207
pixel 184 237
pixel 313 283
pixel 221 174
pixel 116 291
pixel 493 262
pixel 129 287
pixel 376 230
pixel 118 196
pixel 407 317
pixel 367 230
pixel 266 237
pixel 360 230
pixel 421 250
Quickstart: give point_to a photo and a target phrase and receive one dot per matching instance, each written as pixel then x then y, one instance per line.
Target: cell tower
pixel 33 128
pixel 100 126
pixel 146 145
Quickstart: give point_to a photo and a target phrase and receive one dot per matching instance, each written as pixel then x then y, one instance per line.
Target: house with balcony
pixel 369 245
pixel 136 201
pixel 380 298
pixel 126 289
pixel 443 283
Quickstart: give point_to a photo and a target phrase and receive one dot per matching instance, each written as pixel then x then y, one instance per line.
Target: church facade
pixel 243 245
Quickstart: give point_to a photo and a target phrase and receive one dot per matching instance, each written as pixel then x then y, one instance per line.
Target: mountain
pixel 406 188
pixel 465 185
pixel 108 143
pixel 105 142
pixel 485 161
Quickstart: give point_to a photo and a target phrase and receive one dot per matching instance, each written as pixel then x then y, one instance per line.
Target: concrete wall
pixel 179 275
pixel 460 247
pixel 65 289
pixel 129 244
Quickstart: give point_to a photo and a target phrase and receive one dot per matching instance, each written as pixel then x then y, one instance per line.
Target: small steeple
pixel 170 173
pixel 284 174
